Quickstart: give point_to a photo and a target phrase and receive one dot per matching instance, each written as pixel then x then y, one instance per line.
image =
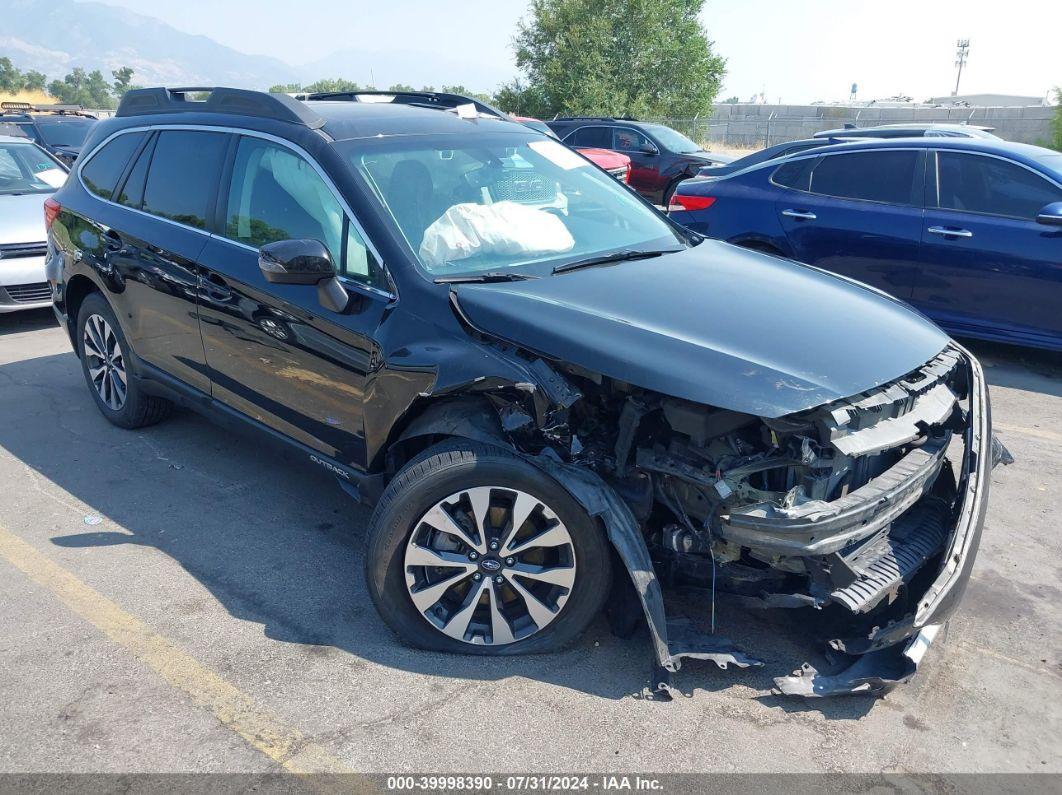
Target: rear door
pixel 859 214
pixel 169 193
pixel 275 354
pixel 987 266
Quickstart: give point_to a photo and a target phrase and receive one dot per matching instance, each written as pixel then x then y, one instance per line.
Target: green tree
pixel 613 57
pixel 123 79
pixel 34 80
pixel 731 101
pixel 10 78
pixel 285 88
pixel 465 92
pixel 1056 123
pixel 401 87
pixel 89 90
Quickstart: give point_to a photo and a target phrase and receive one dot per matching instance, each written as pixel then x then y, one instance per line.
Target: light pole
pixel 962 52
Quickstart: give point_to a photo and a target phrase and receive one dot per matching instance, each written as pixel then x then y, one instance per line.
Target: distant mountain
pixel 54 36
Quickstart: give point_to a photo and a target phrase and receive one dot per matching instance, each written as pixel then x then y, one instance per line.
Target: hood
pixel 711 158
pixel 714 324
pixel 22 218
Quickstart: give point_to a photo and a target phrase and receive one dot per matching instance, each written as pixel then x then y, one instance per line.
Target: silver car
pixel 28 176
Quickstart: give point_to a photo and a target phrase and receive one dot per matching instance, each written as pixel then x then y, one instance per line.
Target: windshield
pixel 25 168
pixel 60 131
pixel 673 139
pixel 471 204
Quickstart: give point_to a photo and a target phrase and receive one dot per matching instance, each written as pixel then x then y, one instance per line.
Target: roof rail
pixel 424 99
pixel 233 101
pixel 29 107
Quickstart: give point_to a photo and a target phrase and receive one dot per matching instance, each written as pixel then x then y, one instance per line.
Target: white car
pixel 28 176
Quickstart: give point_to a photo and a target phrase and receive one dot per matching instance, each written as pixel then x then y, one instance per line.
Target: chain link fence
pixel 757 126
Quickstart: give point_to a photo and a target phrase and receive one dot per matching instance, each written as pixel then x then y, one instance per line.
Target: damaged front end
pixel 869 507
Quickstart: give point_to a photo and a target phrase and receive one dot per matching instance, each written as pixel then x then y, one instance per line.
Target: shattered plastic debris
pixel 92 519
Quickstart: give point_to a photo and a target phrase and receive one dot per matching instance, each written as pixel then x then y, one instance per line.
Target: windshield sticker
pixel 558 154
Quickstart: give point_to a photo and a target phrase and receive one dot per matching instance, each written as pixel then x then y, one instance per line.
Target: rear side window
pixel 597 137
pixel 183 178
pixel 132 192
pixel 979 184
pixel 795 174
pixel 103 170
pixel 887 177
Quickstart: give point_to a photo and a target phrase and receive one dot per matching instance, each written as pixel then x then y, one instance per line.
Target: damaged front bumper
pixel 890 655
pixel 936 513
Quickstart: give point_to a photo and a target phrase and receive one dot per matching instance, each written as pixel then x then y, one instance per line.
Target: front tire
pixel 104 354
pixel 474 550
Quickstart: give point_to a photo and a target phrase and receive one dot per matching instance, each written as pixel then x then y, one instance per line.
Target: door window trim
pixel 935 153
pixel 392 294
pixel 918 205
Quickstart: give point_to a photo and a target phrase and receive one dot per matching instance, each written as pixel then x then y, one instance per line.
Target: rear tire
pixel 515 597
pixel 104 354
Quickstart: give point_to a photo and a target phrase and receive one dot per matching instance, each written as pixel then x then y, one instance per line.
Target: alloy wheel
pixel 489 565
pixel 105 362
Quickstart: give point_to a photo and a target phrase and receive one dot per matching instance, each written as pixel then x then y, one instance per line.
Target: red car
pixel 615 163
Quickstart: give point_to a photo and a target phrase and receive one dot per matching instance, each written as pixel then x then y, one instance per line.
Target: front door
pixel 645 162
pixel 274 353
pixel 859 214
pixel 987 266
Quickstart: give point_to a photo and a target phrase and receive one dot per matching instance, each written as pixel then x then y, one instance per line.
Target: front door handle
pixel 947 232
pixel 216 287
pixel 800 215
pixel 112 240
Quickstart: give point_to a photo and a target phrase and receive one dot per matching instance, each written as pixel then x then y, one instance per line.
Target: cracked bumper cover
pixel 891 655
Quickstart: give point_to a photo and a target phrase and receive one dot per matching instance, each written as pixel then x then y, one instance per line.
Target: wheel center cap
pixel 490 564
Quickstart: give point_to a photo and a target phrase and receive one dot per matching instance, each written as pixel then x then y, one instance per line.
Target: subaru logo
pixel 490 564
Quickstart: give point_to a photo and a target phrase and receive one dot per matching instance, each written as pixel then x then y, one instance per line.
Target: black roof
pixel 339 118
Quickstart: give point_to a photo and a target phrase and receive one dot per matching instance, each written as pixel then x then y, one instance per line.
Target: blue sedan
pixel 967 230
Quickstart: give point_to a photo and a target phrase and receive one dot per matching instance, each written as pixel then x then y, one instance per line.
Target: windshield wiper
pixel 618 256
pixel 484 278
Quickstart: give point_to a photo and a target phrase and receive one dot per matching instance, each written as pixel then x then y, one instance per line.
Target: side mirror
pixel 649 149
pixel 304 262
pixel 296 262
pixel 1051 215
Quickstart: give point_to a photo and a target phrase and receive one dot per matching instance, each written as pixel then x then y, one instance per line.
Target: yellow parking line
pixel 259 727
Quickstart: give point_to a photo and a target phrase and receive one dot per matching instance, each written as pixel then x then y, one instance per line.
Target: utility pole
pixel 962 52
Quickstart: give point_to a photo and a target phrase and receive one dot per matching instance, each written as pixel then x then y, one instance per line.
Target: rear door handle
pixel 800 215
pixel 943 230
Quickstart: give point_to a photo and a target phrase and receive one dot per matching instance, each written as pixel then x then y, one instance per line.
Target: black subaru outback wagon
pixel 554 396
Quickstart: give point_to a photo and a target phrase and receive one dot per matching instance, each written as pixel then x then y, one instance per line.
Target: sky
pixel 795 52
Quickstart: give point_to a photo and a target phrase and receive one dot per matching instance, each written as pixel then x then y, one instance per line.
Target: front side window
pixel 878 176
pixel 26 169
pixel 468 204
pixel 980 184
pixel 277 195
pixel 182 180
pixel 103 170
pixel 628 140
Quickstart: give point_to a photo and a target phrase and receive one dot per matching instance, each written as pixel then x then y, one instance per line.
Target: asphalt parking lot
pixel 184 598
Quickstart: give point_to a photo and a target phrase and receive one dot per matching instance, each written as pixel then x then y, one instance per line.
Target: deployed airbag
pixel 503 228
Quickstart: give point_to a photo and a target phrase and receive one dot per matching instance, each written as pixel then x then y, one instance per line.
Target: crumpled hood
pixel 22 218
pixel 714 324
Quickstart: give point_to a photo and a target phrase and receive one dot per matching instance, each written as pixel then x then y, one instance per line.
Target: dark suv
pixel 660 156
pixel 58 129
pixel 539 380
